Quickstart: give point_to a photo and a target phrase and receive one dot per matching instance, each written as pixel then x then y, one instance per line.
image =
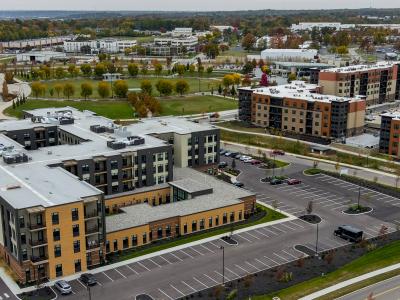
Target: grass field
pixel 195 105
pixel 133 83
pixel 374 260
pixel 109 109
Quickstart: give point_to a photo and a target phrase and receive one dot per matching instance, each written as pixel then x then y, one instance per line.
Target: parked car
pixel 63 287
pixel 349 233
pixel 238 184
pixel 243 157
pixel 248 160
pixel 222 164
pixel 278 152
pixel 238 156
pixel 222 152
pixel 88 279
pixel 227 154
pixel 233 154
pixel 255 162
pixel 293 181
pixel 275 181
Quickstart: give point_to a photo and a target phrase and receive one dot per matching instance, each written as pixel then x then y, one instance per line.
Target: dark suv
pixel 88 279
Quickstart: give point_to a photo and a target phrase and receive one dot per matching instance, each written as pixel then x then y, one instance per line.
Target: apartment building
pixel 299 108
pixel 389 140
pixel 75 187
pixel 190 42
pixel 378 83
pixel 182 31
pixel 99 46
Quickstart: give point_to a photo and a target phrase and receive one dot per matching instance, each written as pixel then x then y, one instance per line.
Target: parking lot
pixel 182 272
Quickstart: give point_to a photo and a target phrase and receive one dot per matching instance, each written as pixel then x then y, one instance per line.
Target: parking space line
pixel 243 269
pixel 244 238
pixel 252 266
pixel 293 223
pixel 212 279
pixel 276 264
pixel 108 276
pixel 189 286
pixel 158 265
pixel 84 286
pixel 295 257
pixel 261 262
pixel 197 251
pixel 252 235
pixel 281 257
pixel 294 229
pixel 200 282
pixel 177 290
pixel 180 259
pixel 208 249
pixel 120 273
pixel 226 277
pixel 216 246
pixel 279 229
pixel 270 230
pixel 259 232
pixel 169 297
pixel 186 253
pixel 226 268
pixel 142 265
pixel 165 259
pixel 132 269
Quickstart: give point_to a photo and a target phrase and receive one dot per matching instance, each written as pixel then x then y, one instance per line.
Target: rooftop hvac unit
pixel 14 157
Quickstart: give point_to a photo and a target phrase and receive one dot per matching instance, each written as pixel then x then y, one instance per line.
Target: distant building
pixel 299 108
pixel 302 26
pixel 301 69
pixel 99 46
pixel 221 28
pixel 111 76
pixel 389 140
pixel 40 56
pixel 182 32
pixel 35 43
pixel 378 83
pixel 289 54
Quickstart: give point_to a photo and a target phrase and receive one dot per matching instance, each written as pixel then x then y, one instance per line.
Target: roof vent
pixel 13 187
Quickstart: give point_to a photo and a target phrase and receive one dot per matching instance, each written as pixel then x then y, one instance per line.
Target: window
pixel 55 218
pixel 225 218
pixel 78 267
pixel 185 228
pixel 85 168
pixel 74 214
pixel 75 230
pixel 56 234
pixel 125 243
pixel 115 245
pixel 210 222
pixel 177 229
pixel 134 240
pixel 232 217
pixel 201 224
pixel 59 271
pixel 57 250
pixel 23 238
pixel 159 233
pixel 240 215
pixel 77 246
pixel 194 226
pixel 21 222
pixel 107 246
pixel 216 220
pixel 144 238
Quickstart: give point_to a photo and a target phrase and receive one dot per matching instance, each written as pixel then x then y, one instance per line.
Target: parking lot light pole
pixel 316 242
pixel 89 291
pixel 359 197
pixel 223 265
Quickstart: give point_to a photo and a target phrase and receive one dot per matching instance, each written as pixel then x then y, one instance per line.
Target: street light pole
pixel 90 292
pixel 359 196
pixel 223 265
pixel 316 242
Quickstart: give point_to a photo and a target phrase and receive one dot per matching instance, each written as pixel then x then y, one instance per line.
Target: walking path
pixel 19 88
pixel 350 282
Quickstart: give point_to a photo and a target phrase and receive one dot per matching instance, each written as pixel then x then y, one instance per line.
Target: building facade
pixel 73 192
pixel 99 46
pixel 389 139
pixel 378 83
pixel 299 108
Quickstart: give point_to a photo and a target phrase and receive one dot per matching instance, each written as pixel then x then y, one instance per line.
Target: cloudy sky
pixel 192 5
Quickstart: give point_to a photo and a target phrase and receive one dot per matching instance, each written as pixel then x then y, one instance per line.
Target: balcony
pixel 93 245
pixel 37 243
pixel 33 227
pixel 39 259
pixel 91 214
pixel 91 230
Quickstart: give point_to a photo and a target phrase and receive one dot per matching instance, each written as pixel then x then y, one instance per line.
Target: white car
pixel 244 157
pixel 228 153
pixel 63 287
pixel 248 160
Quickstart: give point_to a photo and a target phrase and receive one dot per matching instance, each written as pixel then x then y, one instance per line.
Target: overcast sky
pixel 192 5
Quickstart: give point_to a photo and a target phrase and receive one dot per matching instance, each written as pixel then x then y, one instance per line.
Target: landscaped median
pixel 263 215
pixel 371 261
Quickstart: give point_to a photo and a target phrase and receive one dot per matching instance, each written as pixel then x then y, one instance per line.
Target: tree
pixel 158 69
pixel 144 70
pixel 264 79
pixel 342 50
pixel 219 89
pixel 68 90
pixel 86 90
pixel 59 72
pixel 71 70
pixel 291 77
pixel 58 88
pixel 180 69
pixel 248 41
pixel 228 80
pixel 192 69
pixel 100 69
pixel 164 87
pixel 246 80
pixel 247 68
pixel 181 87
pixel 133 69
pixel 120 88
pixel 209 71
pixel 103 89
pixel 86 69
pixel 9 77
pixel 36 88
pixel 146 86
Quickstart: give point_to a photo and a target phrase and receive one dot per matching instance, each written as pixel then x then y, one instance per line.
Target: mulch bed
pixel 44 293
pixel 312 219
pixel 359 210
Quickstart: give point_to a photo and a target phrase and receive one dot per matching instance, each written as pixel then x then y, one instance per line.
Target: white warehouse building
pixel 288 54
pixel 40 56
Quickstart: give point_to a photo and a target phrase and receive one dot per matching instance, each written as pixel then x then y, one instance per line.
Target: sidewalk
pixel 350 282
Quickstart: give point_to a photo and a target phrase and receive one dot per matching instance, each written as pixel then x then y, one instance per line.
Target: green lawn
pixel 271 215
pixel 109 109
pixel 374 260
pixel 195 105
pixel 237 125
pixel 205 85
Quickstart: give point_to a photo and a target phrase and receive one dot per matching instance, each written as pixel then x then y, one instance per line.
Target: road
pixel 385 290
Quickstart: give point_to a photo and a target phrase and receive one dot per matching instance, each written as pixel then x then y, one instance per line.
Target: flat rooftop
pixel 224 194
pixel 394 115
pixel 34 183
pixel 361 68
pixel 300 90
